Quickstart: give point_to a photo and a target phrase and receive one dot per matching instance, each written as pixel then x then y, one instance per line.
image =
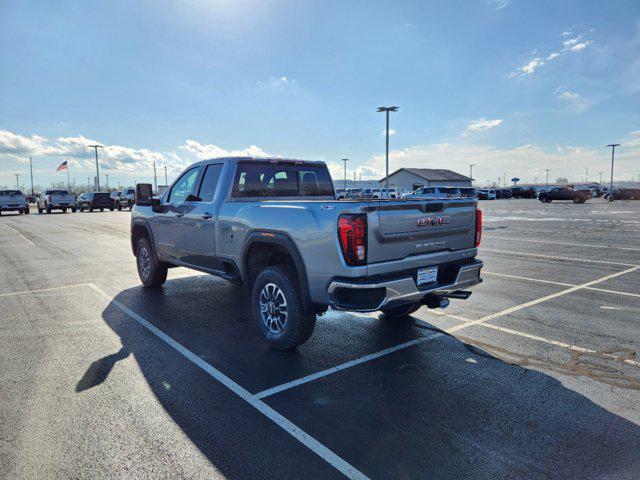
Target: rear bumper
pixel 13 208
pixel 374 295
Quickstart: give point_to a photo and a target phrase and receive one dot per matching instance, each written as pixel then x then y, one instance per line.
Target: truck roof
pixel 296 161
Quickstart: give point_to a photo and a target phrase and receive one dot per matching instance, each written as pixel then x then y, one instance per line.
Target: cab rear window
pixel 10 192
pixel 281 179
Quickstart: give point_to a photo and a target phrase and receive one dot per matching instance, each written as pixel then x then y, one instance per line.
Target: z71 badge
pixel 433 221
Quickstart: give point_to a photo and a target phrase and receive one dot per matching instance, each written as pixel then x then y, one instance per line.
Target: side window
pixel 184 186
pixel 209 182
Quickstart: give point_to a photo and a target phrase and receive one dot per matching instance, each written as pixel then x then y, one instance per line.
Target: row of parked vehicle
pixel 62 200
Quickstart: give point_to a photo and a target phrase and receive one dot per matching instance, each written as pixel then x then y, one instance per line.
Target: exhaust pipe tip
pixel 444 303
pixel 435 301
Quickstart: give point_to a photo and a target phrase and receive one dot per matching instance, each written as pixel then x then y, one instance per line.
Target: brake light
pixel 352 233
pixel 478 227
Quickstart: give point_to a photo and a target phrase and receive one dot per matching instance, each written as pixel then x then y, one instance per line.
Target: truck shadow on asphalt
pixel 442 409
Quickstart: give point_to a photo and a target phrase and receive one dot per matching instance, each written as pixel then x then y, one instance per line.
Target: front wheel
pixel 26 211
pixel 48 209
pixel 119 207
pixel 401 311
pixel 73 210
pixel 152 272
pixel 577 199
pixel 278 310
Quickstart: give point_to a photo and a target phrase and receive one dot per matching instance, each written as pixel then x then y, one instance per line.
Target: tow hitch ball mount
pixel 442 301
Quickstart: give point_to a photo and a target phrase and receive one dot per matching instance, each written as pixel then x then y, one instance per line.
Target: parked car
pixel 13 201
pixel 503 193
pixel 564 193
pixel 486 194
pixel 95 200
pixel 371 193
pixel 625 194
pixel 522 192
pixel 56 200
pixel 341 193
pixel 393 193
pixel 354 192
pixel 114 197
pixel 301 250
pixel 434 192
pixel 126 199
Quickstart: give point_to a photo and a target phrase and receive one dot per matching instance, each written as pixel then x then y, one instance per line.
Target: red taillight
pixel 352 233
pixel 478 227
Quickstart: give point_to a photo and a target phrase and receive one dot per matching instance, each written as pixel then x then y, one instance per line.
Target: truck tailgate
pixel 399 229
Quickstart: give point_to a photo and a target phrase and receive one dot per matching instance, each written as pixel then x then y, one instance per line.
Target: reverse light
pixel 478 227
pixel 352 233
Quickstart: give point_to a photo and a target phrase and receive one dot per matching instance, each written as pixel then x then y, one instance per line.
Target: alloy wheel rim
pixel 273 308
pixel 144 263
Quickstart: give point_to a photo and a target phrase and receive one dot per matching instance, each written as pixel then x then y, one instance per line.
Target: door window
pixel 210 182
pixel 184 186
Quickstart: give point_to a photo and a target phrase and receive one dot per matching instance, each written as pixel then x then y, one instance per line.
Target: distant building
pixel 410 179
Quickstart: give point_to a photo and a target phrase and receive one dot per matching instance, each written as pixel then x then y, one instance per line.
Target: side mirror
pixel 144 194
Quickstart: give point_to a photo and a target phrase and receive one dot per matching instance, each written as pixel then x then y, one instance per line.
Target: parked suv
pixel 564 193
pixel 275 226
pixel 126 199
pixel 95 200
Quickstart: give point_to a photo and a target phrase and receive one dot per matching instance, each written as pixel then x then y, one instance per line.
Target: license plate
pixel 427 275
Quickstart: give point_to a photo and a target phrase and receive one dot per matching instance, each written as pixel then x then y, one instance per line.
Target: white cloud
pixel 482 124
pixel 392 132
pixel 205 151
pixel 499 4
pixel 565 95
pixel 570 45
pixel 282 83
pixel 566 33
pixel 525 162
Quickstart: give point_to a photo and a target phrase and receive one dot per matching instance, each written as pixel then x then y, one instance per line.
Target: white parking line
pixel 344 366
pixel 541 339
pixel 555 257
pixel 590 245
pixel 538 280
pixel 516 308
pixel 43 289
pixel 20 235
pixel 296 432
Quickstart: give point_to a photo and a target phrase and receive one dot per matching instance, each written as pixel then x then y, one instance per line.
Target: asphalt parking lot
pixel 535 376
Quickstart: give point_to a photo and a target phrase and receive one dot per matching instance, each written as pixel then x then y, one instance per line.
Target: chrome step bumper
pixel 369 297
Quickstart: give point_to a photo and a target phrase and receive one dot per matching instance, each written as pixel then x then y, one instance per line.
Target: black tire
pixel 90 208
pixel 73 210
pixel 64 210
pixel 577 199
pixel 111 209
pixel 152 272
pixel 48 209
pixel 102 209
pixel 119 207
pixel 401 311
pixel 298 325
pixel 40 210
pixel 26 211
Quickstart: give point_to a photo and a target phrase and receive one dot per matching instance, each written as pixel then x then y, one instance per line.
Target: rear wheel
pixel 73 210
pixel 401 311
pixel 152 272
pixel 64 210
pixel 26 211
pixel 119 207
pixel 102 209
pixel 90 208
pixel 577 199
pixel 278 310
pixel 48 209
pixel 40 210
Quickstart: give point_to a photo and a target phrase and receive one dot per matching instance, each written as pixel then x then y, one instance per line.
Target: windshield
pixel 56 192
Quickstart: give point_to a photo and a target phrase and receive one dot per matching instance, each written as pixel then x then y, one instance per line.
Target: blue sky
pixel 513 87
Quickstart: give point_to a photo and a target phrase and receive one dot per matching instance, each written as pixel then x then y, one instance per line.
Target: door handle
pixel 207 216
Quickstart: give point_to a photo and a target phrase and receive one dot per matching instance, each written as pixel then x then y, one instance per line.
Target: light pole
pixel 600 178
pixel 613 153
pixel 345 160
pixel 166 183
pixel 586 175
pixel 547 170
pixel 387 110
pixel 155 177
pixel 95 148
pixel 17 180
pixel 31 170
pixel 471 173
pixel 107 182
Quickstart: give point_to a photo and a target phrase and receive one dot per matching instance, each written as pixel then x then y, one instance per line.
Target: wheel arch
pixel 140 229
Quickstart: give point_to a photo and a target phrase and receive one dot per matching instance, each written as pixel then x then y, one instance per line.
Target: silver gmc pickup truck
pixel 275 226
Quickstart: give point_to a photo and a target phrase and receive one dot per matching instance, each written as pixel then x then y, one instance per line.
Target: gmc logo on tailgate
pixel 433 221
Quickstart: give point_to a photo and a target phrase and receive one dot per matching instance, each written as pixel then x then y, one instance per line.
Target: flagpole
pixel 68 180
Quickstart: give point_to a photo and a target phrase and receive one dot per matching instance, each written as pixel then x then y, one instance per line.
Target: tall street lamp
pixel 387 110
pixel 471 173
pixel 345 160
pixel 95 148
pixel 547 170
pixel 17 180
pixel 613 153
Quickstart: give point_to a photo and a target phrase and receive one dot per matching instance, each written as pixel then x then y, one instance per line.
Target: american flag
pixel 63 166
